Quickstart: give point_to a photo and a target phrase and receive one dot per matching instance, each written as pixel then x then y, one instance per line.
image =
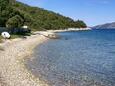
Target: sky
pixel 92 12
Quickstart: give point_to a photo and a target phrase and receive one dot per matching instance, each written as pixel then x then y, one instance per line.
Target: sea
pixel 78 58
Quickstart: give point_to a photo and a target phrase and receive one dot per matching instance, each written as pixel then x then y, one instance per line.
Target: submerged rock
pixel 53 35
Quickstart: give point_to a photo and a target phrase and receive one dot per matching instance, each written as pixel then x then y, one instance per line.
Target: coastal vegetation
pixel 15 14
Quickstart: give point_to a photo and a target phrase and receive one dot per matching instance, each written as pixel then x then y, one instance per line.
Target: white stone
pixel 5 35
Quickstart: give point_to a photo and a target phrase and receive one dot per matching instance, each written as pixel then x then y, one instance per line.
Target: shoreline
pixel 69 29
pixel 12 69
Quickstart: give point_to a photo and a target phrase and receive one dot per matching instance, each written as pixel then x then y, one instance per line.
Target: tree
pixel 80 24
pixel 4 4
pixel 15 22
pixel 5 10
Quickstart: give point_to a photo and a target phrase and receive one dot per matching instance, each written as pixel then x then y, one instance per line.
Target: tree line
pixel 15 14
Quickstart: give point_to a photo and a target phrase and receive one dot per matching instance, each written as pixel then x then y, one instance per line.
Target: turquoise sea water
pixel 83 58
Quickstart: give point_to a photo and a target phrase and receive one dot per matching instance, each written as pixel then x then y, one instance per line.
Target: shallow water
pixel 83 58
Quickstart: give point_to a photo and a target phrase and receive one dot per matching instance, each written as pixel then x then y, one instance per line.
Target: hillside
pixel 16 14
pixel 105 26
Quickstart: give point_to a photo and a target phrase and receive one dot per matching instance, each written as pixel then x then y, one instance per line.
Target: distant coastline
pixel 105 26
pixel 69 29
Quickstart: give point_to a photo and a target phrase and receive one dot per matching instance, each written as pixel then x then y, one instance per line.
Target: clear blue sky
pixel 93 12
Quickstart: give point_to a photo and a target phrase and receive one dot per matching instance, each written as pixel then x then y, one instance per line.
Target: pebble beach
pixel 12 54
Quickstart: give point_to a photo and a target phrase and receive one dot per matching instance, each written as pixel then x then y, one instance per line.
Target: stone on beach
pixel 5 35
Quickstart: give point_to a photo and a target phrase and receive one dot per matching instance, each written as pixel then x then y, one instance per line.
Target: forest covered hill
pixel 14 14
